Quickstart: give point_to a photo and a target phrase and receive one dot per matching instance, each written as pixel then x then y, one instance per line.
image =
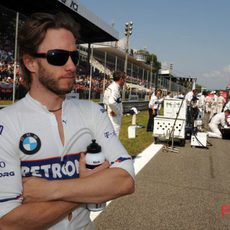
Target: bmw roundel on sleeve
pixel 29 143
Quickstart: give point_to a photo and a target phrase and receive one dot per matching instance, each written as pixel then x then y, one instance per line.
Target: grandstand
pixel 94 71
pixel 94 29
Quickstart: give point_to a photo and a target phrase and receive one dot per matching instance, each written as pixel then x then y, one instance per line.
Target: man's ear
pixel 30 63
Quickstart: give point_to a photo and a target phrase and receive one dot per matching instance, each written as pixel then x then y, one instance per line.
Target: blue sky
pixel 193 35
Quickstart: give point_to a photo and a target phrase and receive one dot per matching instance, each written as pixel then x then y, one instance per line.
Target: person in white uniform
pixel 201 104
pixel 154 107
pixel 220 102
pixel 113 101
pixel 213 105
pixel 208 103
pixel 220 119
pixel 45 183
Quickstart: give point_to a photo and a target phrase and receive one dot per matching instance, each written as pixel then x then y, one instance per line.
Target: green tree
pixel 150 57
pixel 153 58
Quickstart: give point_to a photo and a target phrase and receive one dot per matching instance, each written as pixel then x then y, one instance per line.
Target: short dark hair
pixel 33 33
pixel 158 90
pixel 194 91
pixel 117 75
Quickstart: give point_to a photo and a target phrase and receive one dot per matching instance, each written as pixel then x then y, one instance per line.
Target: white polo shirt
pixel 30 145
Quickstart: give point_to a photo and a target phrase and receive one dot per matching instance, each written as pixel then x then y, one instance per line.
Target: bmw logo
pixel 29 143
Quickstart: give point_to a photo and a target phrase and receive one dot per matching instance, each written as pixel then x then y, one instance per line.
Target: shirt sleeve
pixel 105 136
pixel 10 173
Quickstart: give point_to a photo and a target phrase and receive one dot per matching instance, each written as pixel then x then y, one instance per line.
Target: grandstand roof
pixel 117 52
pixel 93 29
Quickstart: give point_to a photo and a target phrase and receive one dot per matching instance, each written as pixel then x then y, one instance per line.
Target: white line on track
pixel 139 162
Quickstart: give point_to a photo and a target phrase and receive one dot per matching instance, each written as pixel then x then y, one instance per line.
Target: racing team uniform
pixel 216 120
pixel 220 103
pixel 30 145
pixel 208 102
pixel 113 102
pixel 213 106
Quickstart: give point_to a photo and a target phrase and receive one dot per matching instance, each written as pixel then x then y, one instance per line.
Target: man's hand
pixel 113 114
pixel 84 172
pixel 33 189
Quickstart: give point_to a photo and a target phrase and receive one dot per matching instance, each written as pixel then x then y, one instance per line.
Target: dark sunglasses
pixel 59 57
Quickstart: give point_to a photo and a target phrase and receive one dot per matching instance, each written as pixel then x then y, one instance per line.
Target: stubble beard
pixel 49 81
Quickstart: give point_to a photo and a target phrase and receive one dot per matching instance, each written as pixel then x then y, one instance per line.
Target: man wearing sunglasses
pixel 43 176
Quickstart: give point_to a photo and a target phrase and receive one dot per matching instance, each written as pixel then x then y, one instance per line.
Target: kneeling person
pixel 220 119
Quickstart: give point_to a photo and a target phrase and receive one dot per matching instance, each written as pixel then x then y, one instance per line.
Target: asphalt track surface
pixel 187 190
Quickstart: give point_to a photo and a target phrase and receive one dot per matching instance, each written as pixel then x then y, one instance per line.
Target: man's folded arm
pixel 37 216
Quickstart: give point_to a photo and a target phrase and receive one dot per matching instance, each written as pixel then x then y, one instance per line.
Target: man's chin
pixel 62 92
pixel 66 89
